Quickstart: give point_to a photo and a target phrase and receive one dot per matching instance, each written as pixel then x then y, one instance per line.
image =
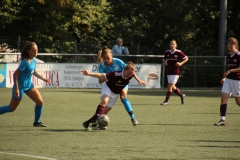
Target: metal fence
pixel 198 72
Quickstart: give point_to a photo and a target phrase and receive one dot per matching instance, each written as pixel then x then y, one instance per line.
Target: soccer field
pixel 164 132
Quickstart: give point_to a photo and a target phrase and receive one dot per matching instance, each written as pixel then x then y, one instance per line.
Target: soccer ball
pixel 103 120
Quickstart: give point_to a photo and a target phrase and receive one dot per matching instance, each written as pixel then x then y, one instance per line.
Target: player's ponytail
pixel 101 54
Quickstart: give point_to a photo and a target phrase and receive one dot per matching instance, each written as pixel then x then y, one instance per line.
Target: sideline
pixel 27 155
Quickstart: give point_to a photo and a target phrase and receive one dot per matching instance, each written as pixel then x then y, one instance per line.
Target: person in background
pixel 115 82
pixel 231 79
pixel 22 79
pixel 119 49
pixel 173 59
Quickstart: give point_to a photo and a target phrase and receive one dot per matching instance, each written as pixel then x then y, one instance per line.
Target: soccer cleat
pixel 94 124
pixel 99 128
pixel 220 123
pixel 182 98
pixel 86 126
pixel 134 122
pixel 164 103
pixel 39 124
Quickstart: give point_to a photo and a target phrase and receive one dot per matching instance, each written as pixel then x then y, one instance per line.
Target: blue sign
pixel 3 68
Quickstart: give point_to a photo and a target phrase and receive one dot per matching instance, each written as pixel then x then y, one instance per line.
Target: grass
pixel 164 132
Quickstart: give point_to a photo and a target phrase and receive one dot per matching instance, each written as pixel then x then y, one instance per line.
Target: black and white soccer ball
pixel 103 120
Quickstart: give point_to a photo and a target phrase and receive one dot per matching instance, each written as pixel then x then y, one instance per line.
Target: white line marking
pixel 27 155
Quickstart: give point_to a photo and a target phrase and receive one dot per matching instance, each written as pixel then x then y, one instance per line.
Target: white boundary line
pixel 27 155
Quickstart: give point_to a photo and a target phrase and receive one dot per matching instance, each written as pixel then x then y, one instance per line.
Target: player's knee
pixel 12 109
pixel 122 97
pixel 40 103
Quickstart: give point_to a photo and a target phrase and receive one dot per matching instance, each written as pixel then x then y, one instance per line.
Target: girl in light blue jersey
pixel 22 78
pixel 109 64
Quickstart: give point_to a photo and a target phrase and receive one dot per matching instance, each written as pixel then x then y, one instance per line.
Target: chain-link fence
pixel 198 72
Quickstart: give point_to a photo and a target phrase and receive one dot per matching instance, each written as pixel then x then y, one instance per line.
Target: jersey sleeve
pixel 23 65
pixel 101 68
pixel 182 55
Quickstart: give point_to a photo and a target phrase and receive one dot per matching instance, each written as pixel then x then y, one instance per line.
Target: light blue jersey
pixel 25 77
pixel 27 69
pixel 117 65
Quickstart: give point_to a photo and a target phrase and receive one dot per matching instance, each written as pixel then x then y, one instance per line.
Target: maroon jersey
pixel 233 62
pixel 172 58
pixel 116 82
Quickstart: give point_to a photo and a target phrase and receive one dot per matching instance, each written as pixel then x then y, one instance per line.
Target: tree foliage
pixel 57 24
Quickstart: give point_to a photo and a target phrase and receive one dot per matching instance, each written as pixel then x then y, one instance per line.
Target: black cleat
pixel 182 98
pixel 220 123
pixel 164 103
pixel 39 124
pixel 86 126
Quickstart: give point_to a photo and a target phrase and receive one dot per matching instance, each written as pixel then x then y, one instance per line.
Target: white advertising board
pixel 67 75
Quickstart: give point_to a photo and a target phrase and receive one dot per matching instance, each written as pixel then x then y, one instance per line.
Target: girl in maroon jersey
pixel 111 90
pixel 231 79
pixel 172 60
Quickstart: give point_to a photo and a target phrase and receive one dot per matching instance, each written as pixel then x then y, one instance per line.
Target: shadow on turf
pixel 212 113
pixel 174 124
pixel 64 130
pixel 216 141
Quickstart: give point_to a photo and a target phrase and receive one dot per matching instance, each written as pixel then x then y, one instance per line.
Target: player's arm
pixel 101 80
pixel 93 74
pixel 230 70
pixel 181 63
pixel 36 74
pixel 139 80
pixel 15 81
pixel 165 62
pixel 101 70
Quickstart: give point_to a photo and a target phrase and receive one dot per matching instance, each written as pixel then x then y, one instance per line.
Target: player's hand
pixel 178 64
pixel 47 80
pixel 165 63
pixel 16 93
pixel 222 80
pixel 142 82
pixel 226 73
pixel 84 72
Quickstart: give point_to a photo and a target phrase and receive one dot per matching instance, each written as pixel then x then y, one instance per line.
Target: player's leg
pixel 98 112
pixel 11 107
pixel 223 109
pixel 13 103
pixel 35 95
pixel 237 100
pixel 176 90
pixel 110 104
pixel 105 95
pixel 128 106
pixel 169 91
pixel 235 85
pixel 225 94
